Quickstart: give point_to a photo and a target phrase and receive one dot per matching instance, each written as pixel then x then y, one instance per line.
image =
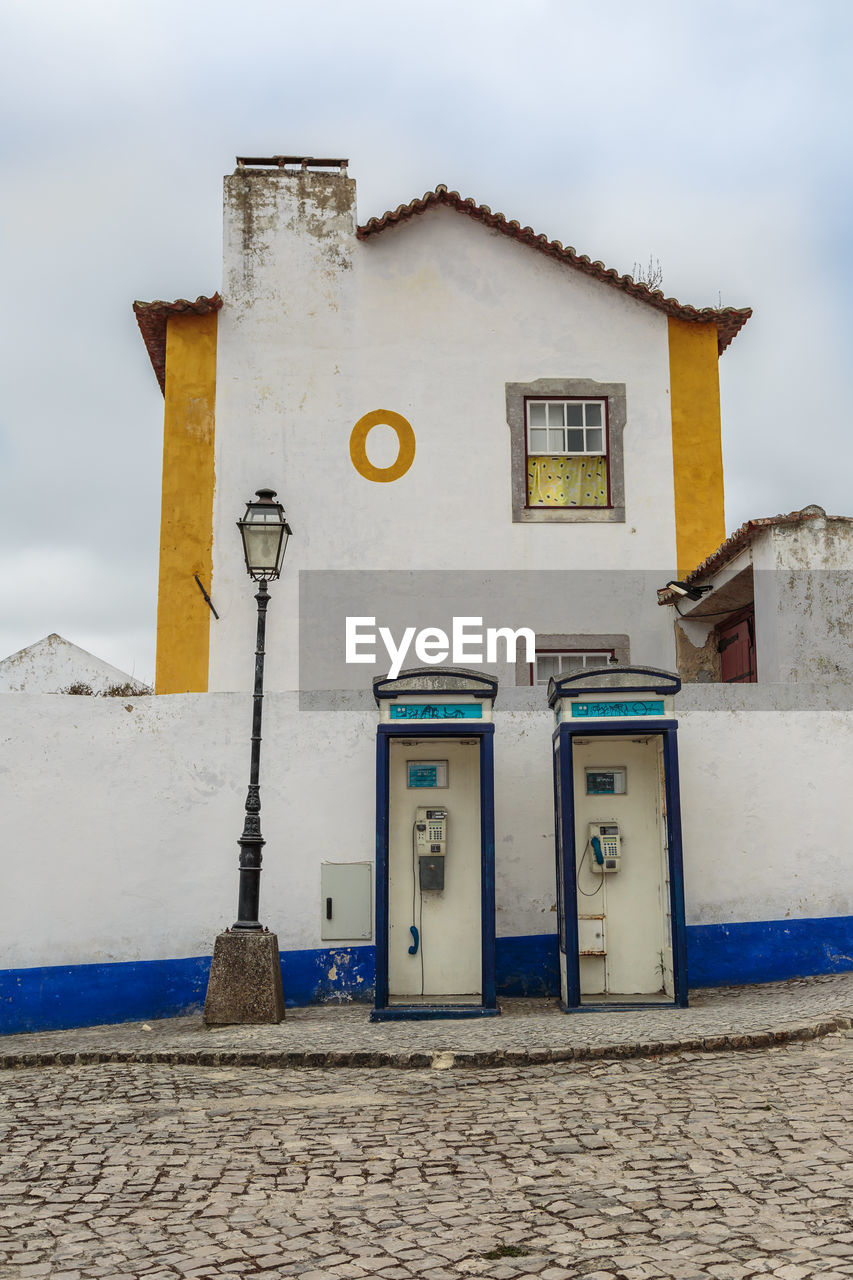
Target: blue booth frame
pixel 564 827
pixel 383 1012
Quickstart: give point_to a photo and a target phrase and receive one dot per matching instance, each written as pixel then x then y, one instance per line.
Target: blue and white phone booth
pixel 620 885
pixel 435 845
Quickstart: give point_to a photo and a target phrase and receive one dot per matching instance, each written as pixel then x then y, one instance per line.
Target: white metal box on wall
pixel 346 899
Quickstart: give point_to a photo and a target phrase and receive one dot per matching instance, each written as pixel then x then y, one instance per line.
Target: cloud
pixel 83 597
pixel 708 136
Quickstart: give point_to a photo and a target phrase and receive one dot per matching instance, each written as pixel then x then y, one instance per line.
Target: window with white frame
pixel 566 442
pixel 566 448
pixel 552 663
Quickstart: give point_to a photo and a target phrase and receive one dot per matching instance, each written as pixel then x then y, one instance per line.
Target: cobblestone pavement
pixel 728 1165
pixel 527 1031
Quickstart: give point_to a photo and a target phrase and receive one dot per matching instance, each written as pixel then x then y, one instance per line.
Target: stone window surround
pixel 620 644
pixel 567 388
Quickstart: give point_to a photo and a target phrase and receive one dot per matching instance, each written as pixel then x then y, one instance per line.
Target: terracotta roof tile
pixel 742 538
pixel 152 318
pixel 729 320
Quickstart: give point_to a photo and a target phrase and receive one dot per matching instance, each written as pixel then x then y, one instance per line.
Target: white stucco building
pixel 438 389
pixel 463 419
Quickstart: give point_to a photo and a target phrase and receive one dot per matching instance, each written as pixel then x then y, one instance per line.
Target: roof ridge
pixel 729 320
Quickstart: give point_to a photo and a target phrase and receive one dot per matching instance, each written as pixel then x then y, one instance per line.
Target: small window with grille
pixel 552 663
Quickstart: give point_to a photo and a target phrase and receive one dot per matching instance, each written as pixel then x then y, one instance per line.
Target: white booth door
pixel 448 963
pixel 623 902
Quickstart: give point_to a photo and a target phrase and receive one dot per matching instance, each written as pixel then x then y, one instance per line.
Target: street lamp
pixel 265 531
pixel 245 973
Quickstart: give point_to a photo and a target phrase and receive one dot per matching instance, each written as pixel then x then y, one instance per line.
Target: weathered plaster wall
pixel 806 602
pixel 430 320
pixel 121 819
pixel 696 656
pixel 823 542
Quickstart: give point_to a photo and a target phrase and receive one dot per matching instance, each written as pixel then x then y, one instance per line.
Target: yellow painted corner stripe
pixel 697 451
pixel 186 518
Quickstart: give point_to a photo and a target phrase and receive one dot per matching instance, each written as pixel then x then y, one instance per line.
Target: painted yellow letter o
pixel 358 445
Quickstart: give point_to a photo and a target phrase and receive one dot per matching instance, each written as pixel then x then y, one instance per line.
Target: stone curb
pixel 728 1042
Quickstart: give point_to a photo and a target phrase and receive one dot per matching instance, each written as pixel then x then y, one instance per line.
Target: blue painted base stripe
pixel 722 955
pixel 316 977
pixel 86 995
pixel 62 996
pixel 57 997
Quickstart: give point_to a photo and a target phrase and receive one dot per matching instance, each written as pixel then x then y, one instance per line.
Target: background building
pixel 55 665
pixel 774 603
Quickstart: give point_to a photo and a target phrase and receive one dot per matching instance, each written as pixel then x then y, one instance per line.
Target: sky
pixel 713 138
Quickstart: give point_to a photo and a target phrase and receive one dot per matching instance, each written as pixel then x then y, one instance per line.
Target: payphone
pixel 431 847
pixel 606 845
pixel 435 950
pixel 619 877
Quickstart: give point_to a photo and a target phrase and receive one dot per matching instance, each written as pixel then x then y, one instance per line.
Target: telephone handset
pixel 431 846
pixel 606 844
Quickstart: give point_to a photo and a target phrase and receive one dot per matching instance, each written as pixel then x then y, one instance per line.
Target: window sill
pixel 571 515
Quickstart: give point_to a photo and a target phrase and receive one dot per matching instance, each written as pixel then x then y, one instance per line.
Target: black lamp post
pixel 245 973
pixel 265 531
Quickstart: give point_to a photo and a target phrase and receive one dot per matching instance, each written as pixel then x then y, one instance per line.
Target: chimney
pixel 289 234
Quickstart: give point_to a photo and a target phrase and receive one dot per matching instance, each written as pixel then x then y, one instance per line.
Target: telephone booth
pixel 620 888
pixel 435 845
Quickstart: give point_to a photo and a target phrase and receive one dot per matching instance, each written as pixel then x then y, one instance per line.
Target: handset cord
pixel 420 906
pixel 414 866
pixel 597 889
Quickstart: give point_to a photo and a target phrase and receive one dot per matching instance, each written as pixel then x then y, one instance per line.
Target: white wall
pixel 765 794
pixel 128 815
pixel 431 320
pixel 121 819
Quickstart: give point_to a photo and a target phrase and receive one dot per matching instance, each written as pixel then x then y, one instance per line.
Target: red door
pixel 736 646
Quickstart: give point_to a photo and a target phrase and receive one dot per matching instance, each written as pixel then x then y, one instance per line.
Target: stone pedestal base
pixel 245 980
